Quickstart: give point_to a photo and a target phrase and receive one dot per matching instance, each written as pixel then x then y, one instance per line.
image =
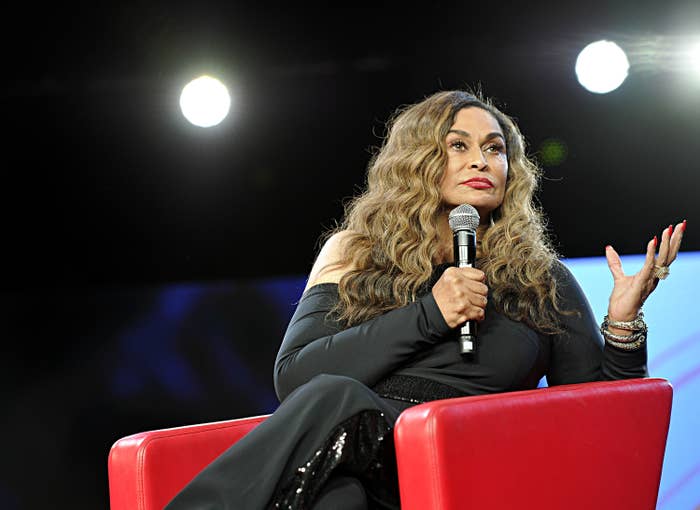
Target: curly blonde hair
pixel 392 227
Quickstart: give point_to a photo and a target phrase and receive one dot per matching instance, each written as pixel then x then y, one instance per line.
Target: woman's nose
pixel 478 160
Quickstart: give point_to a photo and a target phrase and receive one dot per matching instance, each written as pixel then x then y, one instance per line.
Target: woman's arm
pixel 579 353
pixel 313 344
pixel 574 353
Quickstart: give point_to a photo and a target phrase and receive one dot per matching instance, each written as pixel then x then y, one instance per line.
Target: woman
pixel 374 331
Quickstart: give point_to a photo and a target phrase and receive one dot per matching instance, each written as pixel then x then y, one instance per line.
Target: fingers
pixel 467 279
pixel 661 259
pixel 478 296
pixel 675 243
pixel 471 273
pixel 461 295
pixel 469 286
pixel 670 244
pixel 614 262
pixel 648 267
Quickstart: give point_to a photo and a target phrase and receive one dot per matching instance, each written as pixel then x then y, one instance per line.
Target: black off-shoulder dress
pixel 329 443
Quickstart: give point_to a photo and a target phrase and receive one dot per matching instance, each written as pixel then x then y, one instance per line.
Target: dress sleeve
pixel 579 353
pixel 314 344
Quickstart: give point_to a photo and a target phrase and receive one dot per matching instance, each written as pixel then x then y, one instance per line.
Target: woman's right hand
pixel 461 295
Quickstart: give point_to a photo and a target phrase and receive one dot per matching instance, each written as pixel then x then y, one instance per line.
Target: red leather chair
pixel 585 446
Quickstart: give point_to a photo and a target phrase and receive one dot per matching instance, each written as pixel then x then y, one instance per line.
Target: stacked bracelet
pixel 625 342
pixel 627 346
pixel 635 324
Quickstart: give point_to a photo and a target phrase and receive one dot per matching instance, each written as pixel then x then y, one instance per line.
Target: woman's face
pixel 477 164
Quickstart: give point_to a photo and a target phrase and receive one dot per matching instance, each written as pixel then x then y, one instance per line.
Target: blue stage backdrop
pixel 82 368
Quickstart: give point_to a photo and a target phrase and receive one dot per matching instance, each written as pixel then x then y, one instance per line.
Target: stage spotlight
pixel 601 67
pixel 205 101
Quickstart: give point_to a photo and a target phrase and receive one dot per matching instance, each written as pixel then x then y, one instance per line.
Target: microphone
pixel 464 220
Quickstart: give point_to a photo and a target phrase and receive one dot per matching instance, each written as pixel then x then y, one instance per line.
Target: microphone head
pixel 464 217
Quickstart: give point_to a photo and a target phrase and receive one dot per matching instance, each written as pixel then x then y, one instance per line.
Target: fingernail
pixel 607 246
pixel 670 230
pixel 655 241
pixel 683 226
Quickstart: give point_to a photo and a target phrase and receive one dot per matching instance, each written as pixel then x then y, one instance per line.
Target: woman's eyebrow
pixel 494 134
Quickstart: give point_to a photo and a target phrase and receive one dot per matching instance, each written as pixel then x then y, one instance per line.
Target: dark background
pixel 105 181
pixel 129 235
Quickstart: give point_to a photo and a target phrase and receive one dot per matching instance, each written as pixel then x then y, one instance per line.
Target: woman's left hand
pixel 630 292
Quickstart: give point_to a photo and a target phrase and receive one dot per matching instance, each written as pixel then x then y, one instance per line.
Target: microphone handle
pixel 464 245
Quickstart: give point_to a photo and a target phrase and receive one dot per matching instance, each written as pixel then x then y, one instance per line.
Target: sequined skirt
pixel 362 446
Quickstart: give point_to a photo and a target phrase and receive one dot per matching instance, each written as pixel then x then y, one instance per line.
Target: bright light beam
pixel 601 67
pixel 205 101
pixel 694 58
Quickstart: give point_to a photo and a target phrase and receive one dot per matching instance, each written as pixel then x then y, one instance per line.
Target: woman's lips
pixel 478 183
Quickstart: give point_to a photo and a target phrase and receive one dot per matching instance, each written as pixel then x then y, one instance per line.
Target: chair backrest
pixel 596 445
pixel 148 469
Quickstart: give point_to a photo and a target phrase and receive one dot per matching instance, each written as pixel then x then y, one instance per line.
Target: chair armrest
pixel 147 469
pixel 578 446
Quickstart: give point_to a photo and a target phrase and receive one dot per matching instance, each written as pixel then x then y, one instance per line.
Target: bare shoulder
pixel 327 267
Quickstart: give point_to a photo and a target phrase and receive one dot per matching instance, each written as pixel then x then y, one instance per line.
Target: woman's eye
pixel 458 145
pixel 496 148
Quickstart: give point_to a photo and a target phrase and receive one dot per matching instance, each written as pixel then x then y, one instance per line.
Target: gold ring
pixel 661 272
